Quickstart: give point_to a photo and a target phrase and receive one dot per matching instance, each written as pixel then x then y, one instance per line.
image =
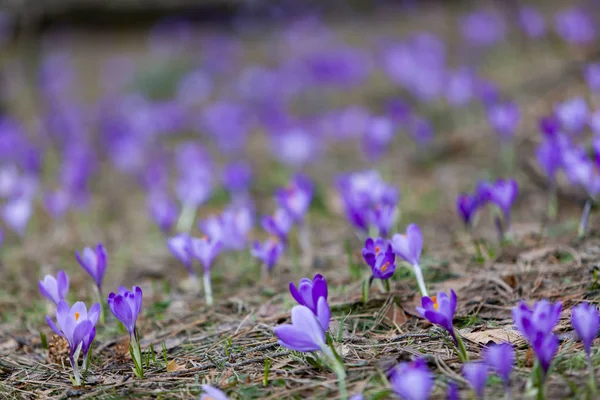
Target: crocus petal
pixel 53 326
pixel 212 393
pixel 323 313
pixel 294 338
pixel 94 313
pixel 122 311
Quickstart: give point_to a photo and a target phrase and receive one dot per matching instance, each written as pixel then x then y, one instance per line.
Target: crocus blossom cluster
pixel 501 193
pixel 536 324
pixel 369 202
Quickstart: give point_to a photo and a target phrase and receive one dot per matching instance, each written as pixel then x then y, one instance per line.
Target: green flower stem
pixel 585 216
pixel 74 363
pixel 186 218
pixel 101 302
pixel 477 246
pixel 337 367
pixel 136 356
pixel 592 377
pixel 460 347
pixel 420 279
pixel 386 283
pixel 208 289
pixel 552 211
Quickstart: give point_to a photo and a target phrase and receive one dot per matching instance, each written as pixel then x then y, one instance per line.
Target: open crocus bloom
pixel 409 246
pixel 440 310
pixel 76 324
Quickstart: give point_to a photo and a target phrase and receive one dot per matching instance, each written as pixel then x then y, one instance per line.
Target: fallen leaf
pixel 172 366
pixel 494 336
pixel 397 315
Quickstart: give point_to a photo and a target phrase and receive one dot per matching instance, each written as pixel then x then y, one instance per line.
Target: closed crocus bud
pixel 409 245
pixel 94 263
pixel 309 291
pixel 126 306
pixel 55 289
pixel 180 247
pixel 268 252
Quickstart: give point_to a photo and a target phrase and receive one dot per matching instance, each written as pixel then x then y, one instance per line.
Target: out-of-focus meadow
pixel 129 134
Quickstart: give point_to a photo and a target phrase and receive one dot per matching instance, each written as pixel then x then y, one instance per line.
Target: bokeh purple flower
pixel 483 28
pixel 504 118
pixel 55 289
pixel 501 359
pixel 268 252
pixel 212 393
pixel 532 22
pixel 575 25
pixel 296 198
pixel 586 322
pixel 94 263
pixel 412 381
pixel 476 373
pixel 573 114
pixel 278 225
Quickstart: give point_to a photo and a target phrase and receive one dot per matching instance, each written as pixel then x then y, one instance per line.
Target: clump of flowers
pixel 78 326
pixel 536 325
pixel 370 204
pixel 268 252
pixel 125 306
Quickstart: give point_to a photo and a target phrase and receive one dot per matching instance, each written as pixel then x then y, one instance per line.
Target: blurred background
pixel 107 105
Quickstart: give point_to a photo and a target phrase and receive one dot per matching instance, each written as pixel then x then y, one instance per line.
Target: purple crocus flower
pixel 532 22
pixel 378 254
pixel 212 393
pixel 586 322
pixel 373 248
pixel 78 326
pixel 466 206
pixel 377 137
pixel 409 245
pixel 503 194
pixel 94 263
pixel 279 224
pixel 573 114
pixel 591 73
pixel 296 198
pixel 126 306
pixel 476 373
pixel 537 325
pixel 439 310
pixel 55 289
pixel 500 358
pixel 461 86
pixel 548 155
pixel 574 25
pixel 550 126
pixel 163 211
pixel 307 331
pixel 231 227
pixel 504 119
pixel 308 292
pixel 412 381
pixel 181 247
pixel 268 252
pixel 205 250
pixel 237 177
pixel 382 216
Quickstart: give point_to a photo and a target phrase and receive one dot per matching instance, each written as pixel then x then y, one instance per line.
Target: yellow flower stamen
pixel 385 266
pixel 377 250
pixel 435 303
pixel 77 315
